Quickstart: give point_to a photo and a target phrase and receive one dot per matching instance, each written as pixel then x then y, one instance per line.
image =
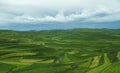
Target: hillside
pixel 60 51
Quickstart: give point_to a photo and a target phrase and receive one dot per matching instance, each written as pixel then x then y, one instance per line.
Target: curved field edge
pixel 60 51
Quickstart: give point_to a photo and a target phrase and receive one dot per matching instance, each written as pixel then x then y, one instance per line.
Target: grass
pixel 102 67
pixel 60 51
pixel 114 68
pixel 4 68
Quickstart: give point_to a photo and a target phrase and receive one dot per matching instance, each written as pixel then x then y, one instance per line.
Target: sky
pixel 59 14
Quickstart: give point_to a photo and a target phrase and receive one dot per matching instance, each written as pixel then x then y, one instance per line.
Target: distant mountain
pixel 56 25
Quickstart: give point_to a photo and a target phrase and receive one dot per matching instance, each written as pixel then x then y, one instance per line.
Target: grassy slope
pixel 114 68
pixel 102 67
pixel 4 68
pixel 34 52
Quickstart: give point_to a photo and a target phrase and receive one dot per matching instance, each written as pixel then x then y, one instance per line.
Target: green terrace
pixel 60 51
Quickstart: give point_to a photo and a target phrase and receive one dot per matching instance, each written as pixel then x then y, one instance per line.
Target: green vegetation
pixel 60 51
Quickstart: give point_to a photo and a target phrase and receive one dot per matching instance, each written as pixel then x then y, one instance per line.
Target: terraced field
pixel 60 51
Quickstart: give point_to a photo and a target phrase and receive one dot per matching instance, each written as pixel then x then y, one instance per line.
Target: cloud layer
pixel 39 11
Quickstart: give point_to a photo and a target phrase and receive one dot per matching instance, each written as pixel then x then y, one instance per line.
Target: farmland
pixel 60 51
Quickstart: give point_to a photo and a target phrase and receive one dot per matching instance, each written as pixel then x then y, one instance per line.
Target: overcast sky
pixel 40 11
